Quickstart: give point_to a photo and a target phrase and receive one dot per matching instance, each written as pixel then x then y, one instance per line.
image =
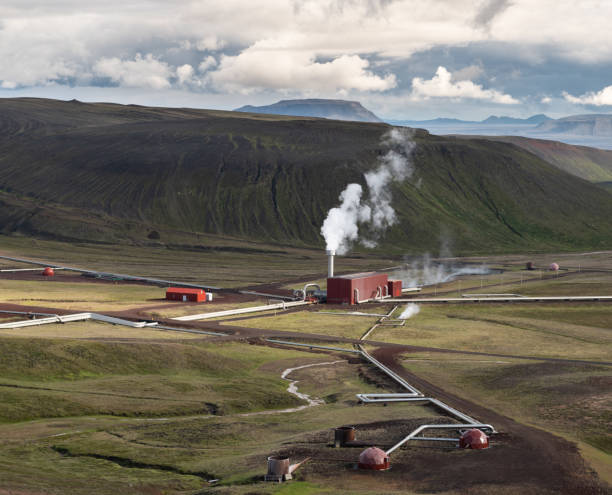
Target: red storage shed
pixel 183 294
pixel 395 288
pixel 353 289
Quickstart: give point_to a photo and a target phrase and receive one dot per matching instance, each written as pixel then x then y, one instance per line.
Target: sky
pixel 402 59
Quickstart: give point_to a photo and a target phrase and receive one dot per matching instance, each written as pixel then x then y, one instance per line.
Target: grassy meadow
pixel 91 408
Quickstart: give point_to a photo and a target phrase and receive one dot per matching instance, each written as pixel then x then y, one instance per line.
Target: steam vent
pixel 474 439
pixel 553 267
pixel 373 458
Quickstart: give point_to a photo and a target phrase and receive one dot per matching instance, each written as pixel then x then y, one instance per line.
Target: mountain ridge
pixel 114 172
pixel 316 107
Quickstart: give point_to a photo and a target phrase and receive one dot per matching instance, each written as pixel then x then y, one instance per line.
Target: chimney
pixel 330 262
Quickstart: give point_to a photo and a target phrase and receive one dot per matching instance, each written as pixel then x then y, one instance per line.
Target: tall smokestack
pixel 330 262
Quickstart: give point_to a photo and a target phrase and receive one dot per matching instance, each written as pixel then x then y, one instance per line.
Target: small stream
pixel 292 389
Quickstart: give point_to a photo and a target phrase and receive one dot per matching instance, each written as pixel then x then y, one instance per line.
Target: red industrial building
pixel 360 287
pixel 184 294
pixel 395 288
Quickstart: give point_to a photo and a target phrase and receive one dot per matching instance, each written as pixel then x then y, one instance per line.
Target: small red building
pixel 184 294
pixel 360 287
pixel 395 288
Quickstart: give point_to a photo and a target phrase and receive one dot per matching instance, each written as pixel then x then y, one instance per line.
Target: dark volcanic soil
pixel 520 455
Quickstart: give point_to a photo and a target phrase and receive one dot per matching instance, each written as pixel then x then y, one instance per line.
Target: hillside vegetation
pixel 591 164
pixel 111 172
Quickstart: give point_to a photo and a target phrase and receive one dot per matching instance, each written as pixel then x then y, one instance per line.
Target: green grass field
pixel 201 417
pixel 258 263
pixel 508 329
pixel 91 408
pixel 311 322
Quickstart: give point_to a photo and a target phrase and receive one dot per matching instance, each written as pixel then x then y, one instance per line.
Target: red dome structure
pixel 48 272
pixel 553 267
pixel 373 458
pixel 474 439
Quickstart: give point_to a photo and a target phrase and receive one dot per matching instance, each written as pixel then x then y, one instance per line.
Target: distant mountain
pixel 328 109
pixel 492 120
pixel 583 125
pixel 434 122
pixel 534 119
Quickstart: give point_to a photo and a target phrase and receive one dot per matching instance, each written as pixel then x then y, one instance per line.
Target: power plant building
pixel 185 294
pixel 356 288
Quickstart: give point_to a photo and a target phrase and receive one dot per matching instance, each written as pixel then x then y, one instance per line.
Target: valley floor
pixel 93 408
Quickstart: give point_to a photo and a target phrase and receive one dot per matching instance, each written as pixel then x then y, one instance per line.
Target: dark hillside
pixel 592 164
pixel 272 178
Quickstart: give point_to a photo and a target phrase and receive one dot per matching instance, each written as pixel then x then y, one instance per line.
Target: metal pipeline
pixel 415 395
pixel 458 427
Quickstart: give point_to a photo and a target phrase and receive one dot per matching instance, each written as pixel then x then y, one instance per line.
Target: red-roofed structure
pixel 185 295
pixel 360 287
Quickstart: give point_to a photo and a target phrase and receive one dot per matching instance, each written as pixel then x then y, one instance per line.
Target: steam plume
pixel 425 272
pixel 410 310
pixel 341 226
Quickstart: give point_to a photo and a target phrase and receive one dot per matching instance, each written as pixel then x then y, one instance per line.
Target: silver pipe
pixel 311 346
pixel 416 396
pixel 389 372
pixel 421 428
pixel 108 274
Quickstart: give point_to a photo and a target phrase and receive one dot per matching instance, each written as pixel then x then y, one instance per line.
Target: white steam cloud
pixel 410 310
pixel 427 272
pixel 341 226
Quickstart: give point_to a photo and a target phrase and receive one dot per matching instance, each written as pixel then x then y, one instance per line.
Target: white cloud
pixel 184 73
pixel 441 85
pixel 298 47
pixel 207 63
pixel 546 100
pixel 468 73
pixel 146 72
pixel 599 98
pixel 210 43
pixel 262 67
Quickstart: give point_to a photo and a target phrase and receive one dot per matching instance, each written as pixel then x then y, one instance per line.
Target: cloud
pixel 599 98
pixel 468 73
pixel 546 100
pixel 355 48
pixel 207 63
pixel 147 72
pixel 184 73
pixel 441 85
pixel 210 43
pixel 260 67
pixel 489 9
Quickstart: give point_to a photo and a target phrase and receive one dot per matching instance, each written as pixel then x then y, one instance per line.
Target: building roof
pixel 183 290
pixel 353 276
